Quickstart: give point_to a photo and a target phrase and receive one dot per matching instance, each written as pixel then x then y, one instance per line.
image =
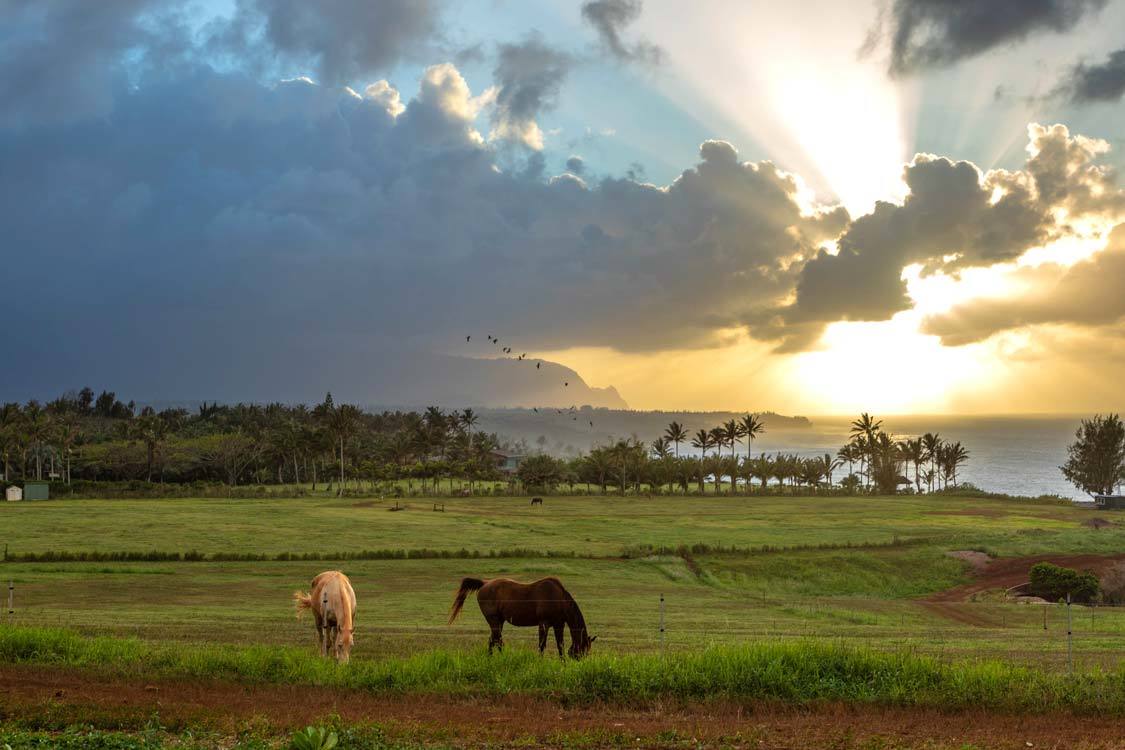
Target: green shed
pixel 36 491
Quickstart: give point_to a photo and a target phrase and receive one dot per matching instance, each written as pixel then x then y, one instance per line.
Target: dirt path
pixel 1005 572
pixel 29 691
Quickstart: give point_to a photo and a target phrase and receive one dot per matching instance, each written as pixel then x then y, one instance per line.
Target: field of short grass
pixel 826 569
pixel 586 526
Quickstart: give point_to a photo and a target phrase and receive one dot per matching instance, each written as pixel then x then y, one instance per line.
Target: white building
pixel 14 493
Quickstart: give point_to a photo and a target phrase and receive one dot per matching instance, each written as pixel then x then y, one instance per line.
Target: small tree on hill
pixel 1053 583
pixel 1095 461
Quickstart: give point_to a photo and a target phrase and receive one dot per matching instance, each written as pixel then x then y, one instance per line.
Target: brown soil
pixel 28 691
pixel 978 560
pixel 1006 572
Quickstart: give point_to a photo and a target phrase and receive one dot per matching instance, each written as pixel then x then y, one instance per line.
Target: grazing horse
pixel 536 501
pixel 544 603
pixel 332 601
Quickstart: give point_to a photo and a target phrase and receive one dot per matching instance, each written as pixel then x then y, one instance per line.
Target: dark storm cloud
pixel 210 226
pixel 1086 294
pixel 1099 82
pixel 343 40
pixel 610 18
pixel 928 34
pixel 60 60
pixel 529 76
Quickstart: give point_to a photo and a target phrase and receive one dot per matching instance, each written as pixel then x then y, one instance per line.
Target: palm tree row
pixel 884 462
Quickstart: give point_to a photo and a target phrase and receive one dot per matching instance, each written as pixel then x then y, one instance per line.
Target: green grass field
pixel 801 571
pixel 586 526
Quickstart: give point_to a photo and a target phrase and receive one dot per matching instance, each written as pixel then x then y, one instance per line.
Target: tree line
pixel 876 462
pixel 85 436
pixel 80 436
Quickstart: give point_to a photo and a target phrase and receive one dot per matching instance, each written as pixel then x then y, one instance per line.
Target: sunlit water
pixel 1015 455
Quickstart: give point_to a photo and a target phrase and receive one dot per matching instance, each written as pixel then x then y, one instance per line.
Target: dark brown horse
pixel 544 603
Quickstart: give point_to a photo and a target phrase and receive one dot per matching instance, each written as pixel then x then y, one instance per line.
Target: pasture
pixel 840 581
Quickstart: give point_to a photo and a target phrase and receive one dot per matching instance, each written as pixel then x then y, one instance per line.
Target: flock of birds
pixel 572 412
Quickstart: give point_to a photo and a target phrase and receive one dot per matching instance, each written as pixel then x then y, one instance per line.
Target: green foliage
pixel 796 671
pixel 1054 582
pixel 541 471
pixel 314 738
pixel 1095 461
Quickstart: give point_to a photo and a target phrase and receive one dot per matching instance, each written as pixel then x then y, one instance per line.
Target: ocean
pixel 1014 455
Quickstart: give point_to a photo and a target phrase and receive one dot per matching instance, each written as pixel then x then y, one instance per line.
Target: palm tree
pixel 732 431
pixel 36 427
pixel 761 468
pixel 703 441
pixel 866 426
pixel 676 434
pixel 913 452
pixel 468 421
pixel 849 455
pixel 10 418
pixel 828 466
pixel 660 448
pixel 931 442
pixel 958 455
pixel 341 422
pixel 752 427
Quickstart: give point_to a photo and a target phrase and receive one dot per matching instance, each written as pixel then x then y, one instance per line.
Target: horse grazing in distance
pixel 536 501
pixel 332 601
pixel 544 603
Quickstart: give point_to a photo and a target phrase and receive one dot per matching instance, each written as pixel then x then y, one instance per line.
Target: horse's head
pixel 344 643
pixel 580 648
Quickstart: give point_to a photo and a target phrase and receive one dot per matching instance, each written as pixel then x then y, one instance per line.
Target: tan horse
pixel 332 600
pixel 544 603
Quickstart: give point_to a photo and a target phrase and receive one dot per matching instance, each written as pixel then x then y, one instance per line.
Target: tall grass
pixel 795 671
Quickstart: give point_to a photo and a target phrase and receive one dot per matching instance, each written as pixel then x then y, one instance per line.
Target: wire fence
pixel 1055 635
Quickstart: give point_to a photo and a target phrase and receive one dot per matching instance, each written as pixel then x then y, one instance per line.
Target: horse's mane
pixel 579 621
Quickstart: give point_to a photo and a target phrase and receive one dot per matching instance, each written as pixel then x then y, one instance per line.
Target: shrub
pixel 1113 584
pixel 1054 582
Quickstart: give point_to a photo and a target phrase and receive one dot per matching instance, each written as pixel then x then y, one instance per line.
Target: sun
pixel 884 367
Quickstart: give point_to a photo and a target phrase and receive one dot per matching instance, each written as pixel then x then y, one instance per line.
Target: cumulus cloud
pixel 1088 83
pixel 610 18
pixel 528 77
pixel 925 34
pixel 342 41
pixel 249 223
pixel 1085 294
pixel 953 217
pixel 62 60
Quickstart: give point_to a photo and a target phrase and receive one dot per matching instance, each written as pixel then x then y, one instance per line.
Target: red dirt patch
pixel 1006 572
pixel 29 691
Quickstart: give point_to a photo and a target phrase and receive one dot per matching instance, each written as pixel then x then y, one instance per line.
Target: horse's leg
pixel 542 637
pixel 320 636
pixel 559 637
pixel 497 639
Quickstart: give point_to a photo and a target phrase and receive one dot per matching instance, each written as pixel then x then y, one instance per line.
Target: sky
pixel 816 207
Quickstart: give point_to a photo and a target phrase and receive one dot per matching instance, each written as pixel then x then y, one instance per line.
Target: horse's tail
pixel 467 585
pixel 303 600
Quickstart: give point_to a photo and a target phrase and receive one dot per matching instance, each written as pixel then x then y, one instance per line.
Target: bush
pixel 1113 584
pixel 1054 582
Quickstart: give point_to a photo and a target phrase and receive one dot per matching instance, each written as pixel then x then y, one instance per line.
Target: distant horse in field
pixel 536 501
pixel 332 601
pixel 544 603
